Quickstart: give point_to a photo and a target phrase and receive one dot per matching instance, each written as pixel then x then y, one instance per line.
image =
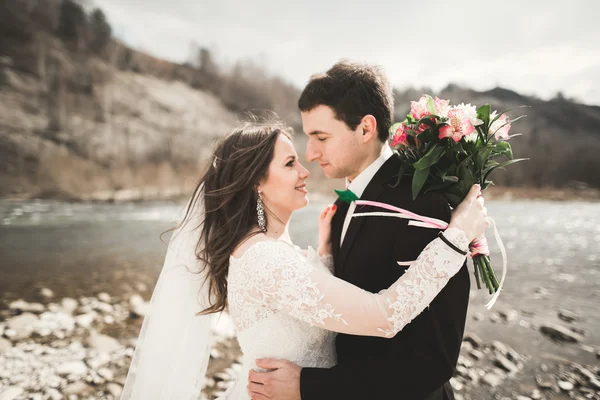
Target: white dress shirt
pixel 360 183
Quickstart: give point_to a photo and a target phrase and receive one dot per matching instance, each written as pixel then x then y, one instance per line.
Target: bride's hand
pixel 325 229
pixel 471 216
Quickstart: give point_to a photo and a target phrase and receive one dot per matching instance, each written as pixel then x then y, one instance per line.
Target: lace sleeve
pixel 284 279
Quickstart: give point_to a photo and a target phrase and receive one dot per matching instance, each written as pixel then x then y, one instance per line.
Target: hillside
pixel 84 117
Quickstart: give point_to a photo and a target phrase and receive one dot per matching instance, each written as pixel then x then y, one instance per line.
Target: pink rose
pixel 441 107
pixel 500 127
pixel 419 109
pixel 400 137
pixel 458 126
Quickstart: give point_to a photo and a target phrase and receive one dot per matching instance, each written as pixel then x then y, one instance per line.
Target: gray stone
pixel 462 371
pixel 492 380
pixel 79 388
pixel 536 395
pixel 11 393
pixel 509 316
pixel 495 317
pixel 560 333
pixel 85 320
pixel 505 364
pixel 102 343
pixel 105 297
pixel 473 339
pixel 139 308
pixel 579 331
pixel 513 356
pixel 72 368
pixel 523 398
pixel 53 394
pixel 478 316
pixel 20 305
pixel 10 333
pixel 456 385
pixel 47 293
pixel 466 347
pixel 106 374
pixel 500 347
pixel 114 389
pixel 69 305
pixel 22 325
pixel 4 345
pixel 566 386
pixel 567 316
pixel 546 384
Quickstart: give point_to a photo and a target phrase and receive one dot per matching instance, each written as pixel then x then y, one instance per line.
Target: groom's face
pixel 331 143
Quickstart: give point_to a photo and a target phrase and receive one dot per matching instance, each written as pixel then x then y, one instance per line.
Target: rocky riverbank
pixel 81 348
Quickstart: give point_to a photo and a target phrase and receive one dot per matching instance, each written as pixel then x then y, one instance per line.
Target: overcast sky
pixel 533 47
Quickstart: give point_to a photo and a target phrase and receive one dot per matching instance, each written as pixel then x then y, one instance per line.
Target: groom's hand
pixel 282 382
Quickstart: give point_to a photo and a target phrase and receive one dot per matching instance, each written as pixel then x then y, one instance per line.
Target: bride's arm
pixel 321 299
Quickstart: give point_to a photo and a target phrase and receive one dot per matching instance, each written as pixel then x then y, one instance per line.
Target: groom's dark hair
pixel 352 90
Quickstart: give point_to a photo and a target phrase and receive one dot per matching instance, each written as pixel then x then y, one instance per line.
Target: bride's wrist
pixel 324 250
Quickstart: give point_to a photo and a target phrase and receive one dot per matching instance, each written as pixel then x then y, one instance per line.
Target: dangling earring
pixel 260 211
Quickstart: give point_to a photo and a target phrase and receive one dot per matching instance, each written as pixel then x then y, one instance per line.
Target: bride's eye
pixel 290 163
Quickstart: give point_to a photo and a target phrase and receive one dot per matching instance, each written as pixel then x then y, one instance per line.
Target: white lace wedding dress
pixel 287 304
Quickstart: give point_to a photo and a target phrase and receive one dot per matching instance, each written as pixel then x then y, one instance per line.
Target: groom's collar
pixel 360 183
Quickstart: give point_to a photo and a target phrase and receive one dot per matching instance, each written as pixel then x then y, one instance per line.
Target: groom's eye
pixel 322 139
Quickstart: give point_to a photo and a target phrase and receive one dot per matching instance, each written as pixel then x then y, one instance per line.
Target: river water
pixel 80 249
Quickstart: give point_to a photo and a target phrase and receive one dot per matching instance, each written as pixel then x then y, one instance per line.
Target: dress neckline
pixel 237 259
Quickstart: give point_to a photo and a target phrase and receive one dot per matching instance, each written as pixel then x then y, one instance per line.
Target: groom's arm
pixel 422 357
pixel 373 379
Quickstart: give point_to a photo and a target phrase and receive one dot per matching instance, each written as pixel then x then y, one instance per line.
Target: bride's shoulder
pixel 259 243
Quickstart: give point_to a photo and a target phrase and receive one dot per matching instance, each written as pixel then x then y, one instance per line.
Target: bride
pixel 232 251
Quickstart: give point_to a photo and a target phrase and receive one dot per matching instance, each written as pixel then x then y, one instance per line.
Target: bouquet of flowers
pixel 448 148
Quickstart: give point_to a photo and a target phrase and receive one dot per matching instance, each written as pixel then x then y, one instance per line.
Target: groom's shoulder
pixel 431 204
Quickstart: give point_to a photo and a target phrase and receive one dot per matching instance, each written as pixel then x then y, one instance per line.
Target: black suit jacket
pixel 419 361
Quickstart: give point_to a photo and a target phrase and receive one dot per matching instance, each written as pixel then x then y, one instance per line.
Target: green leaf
pixel 509 110
pixel 483 113
pixel 428 120
pixel 504 149
pixel 437 186
pixel 418 181
pixel 400 175
pixel 456 148
pixel 504 164
pixel 432 156
pixel 430 105
pixel 450 178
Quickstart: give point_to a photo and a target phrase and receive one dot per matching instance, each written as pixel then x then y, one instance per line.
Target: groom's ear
pixel 368 126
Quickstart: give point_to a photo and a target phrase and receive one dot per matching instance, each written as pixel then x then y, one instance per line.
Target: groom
pixel 347 113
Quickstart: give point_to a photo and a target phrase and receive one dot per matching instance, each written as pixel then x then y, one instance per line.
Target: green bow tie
pixel 347 196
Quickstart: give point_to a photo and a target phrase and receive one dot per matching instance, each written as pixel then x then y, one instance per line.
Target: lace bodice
pixel 284 302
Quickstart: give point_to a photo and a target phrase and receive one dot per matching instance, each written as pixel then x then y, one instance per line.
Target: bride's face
pixel 284 190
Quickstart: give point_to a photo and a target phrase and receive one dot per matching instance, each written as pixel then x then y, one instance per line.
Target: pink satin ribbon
pixel 480 246
pixel 432 222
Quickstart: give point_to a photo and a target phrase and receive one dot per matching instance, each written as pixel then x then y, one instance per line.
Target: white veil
pixel 174 344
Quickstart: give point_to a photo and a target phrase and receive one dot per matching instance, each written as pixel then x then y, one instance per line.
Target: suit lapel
pixel 372 192
pixel 336 231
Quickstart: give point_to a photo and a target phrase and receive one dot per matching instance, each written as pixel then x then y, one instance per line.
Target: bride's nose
pixel 304 173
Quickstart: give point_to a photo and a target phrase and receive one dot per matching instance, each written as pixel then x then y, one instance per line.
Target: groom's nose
pixel 311 152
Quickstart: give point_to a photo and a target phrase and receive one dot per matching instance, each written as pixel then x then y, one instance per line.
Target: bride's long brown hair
pixel 228 189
